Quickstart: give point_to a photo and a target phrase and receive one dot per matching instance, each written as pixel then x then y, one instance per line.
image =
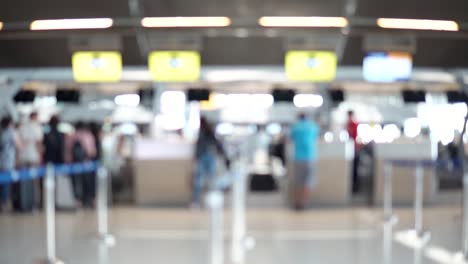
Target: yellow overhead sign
pixel 97 66
pixel 174 66
pixel 318 66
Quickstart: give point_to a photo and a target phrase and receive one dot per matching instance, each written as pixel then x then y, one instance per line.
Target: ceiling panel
pixel 429 9
pixel 27 10
pixel 242 8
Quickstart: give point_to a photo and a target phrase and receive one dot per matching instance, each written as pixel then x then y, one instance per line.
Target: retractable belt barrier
pixel 48 174
pixel 39 172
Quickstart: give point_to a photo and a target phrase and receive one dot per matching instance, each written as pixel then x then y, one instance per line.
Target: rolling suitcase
pixel 23 196
pixel 64 198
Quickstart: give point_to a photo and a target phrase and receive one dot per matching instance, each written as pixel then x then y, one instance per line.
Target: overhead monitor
pixel 387 66
pixel 97 66
pixel 283 95
pixel 24 96
pixel 68 96
pixel 456 97
pixel 146 94
pixel 316 66
pixel 336 95
pixel 174 66
pixel 413 96
pixel 198 94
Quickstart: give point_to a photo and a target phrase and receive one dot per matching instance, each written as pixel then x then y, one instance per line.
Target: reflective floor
pixel 176 236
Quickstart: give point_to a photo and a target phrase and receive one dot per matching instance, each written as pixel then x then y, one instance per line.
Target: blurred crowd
pixel 30 144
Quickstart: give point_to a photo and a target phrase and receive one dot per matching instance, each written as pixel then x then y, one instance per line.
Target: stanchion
pixel 49 205
pixel 465 216
pixel 102 208
pixel 239 230
pixel 418 204
pixel 389 217
pixel 387 244
pixel 215 201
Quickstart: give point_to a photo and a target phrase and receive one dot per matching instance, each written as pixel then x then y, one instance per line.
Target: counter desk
pixel 162 172
pixel 403 177
pixel 333 172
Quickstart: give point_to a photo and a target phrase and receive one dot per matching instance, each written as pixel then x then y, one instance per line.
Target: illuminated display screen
pixel 387 66
pixel 102 66
pixel 317 66
pixel 174 66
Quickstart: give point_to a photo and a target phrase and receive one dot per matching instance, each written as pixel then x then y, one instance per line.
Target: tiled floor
pixel 176 236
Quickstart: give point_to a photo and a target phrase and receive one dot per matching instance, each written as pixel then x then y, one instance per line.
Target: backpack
pixel 78 152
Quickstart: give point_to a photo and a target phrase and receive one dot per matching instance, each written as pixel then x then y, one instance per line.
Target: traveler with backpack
pixel 80 147
pixel 9 143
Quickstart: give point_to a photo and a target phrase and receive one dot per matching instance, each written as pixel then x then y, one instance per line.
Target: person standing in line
pixel 352 128
pixel 30 156
pixel 81 147
pixel 9 143
pixel 206 148
pixel 54 143
pixel 304 135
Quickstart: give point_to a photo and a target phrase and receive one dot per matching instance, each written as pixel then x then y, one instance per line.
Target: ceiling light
pixel 63 24
pixel 417 24
pixel 338 22
pixel 174 22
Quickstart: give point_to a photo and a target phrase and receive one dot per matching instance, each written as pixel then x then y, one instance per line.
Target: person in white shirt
pixel 31 136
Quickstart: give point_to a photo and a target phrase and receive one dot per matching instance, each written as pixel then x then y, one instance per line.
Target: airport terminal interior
pixel 240 132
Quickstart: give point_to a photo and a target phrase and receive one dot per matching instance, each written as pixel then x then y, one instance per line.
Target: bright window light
pixel 328 137
pixel 418 24
pixel 224 129
pixel 273 128
pixel 128 129
pixel 412 127
pixel 170 122
pixel 131 100
pixel 308 100
pixel 338 22
pixel 262 100
pixel 173 102
pixel 390 132
pixel 63 24
pixel 174 22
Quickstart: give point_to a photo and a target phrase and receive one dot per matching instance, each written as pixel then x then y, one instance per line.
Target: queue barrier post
pixel 49 205
pixel 102 208
pixel 419 203
pixel 215 201
pixel 389 217
pixel 465 216
pixel 240 242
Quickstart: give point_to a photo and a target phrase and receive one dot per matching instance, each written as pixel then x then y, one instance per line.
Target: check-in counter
pixel 403 177
pixel 162 171
pixel 333 172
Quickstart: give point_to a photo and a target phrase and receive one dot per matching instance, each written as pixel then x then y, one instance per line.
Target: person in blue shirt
pixel 304 135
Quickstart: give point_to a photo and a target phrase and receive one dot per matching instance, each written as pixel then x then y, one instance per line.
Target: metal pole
pixel 215 200
pixel 49 205
pixel 387 244
pixel 102 208
pixel 465 215
pixel 238 216
pixel 418 200
pixel 388 193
